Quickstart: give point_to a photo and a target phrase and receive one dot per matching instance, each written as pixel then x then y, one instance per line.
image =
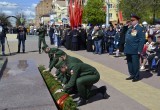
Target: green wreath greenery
pixel 62 99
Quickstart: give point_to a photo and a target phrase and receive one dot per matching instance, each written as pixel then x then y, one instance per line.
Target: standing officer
pixel 2 37
pixel 134 42
pixel 83 76
pixel 41 33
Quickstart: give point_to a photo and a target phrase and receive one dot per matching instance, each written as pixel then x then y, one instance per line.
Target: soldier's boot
pixel 39 51
pixel 81 102
pixel 3 53
pixel 103 91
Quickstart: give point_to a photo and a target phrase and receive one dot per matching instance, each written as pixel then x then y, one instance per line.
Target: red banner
pixel 75 12
pixel 120 16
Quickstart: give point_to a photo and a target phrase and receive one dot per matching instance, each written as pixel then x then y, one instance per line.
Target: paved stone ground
pixel 125 95
pixel 23 88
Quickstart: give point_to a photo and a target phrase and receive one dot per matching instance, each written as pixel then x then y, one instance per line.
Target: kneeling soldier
pixel 51 54
pixel 83 76
pixel 63 57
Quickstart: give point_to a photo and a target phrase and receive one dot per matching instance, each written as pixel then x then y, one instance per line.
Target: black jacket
pixel 3 33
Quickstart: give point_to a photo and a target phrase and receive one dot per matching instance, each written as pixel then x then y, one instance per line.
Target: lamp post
pixel 107 12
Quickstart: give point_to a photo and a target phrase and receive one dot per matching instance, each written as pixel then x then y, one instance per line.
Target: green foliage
pixel 18 22
pixel 143 8
pixel 53 85
pixel 93 12
pixel 4 20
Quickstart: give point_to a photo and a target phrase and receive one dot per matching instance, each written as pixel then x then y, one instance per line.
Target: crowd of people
pixel 111 40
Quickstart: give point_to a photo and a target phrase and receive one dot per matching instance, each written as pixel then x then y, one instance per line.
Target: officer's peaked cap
pixel 135 16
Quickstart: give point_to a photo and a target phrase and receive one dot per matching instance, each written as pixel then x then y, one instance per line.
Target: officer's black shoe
pixel 18 52
pixel 135 79
pixel 130 78
pixel 39 51
pixel 103 90
pixel 81 102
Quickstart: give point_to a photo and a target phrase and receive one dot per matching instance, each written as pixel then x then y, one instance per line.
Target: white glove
pixel 46 70
pixel 59 90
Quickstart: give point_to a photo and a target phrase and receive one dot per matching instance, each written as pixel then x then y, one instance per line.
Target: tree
pixel 3 17
pixel 143 8
pixel 93 12
pixel 18 21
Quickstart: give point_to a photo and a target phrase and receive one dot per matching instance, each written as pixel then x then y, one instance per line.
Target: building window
pixel 110 15
pixel 110 6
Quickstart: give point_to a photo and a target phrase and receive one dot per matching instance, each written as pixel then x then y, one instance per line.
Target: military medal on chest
pixel 134 32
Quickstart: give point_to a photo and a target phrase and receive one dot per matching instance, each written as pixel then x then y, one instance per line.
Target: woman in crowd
pixel 147 50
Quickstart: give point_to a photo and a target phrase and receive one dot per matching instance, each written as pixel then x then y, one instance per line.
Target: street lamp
pixel 107 12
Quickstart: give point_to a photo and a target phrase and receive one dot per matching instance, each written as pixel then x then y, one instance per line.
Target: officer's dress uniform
pixel 2 38
pixel 134 42
pixel 41 33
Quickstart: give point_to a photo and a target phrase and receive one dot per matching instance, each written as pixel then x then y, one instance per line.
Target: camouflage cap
pixel 44 47
pixel 59 64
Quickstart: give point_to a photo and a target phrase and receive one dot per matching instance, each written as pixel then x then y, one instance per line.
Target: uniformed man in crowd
pixel 3 31
pixel 83 76
pixel 41 33
pixel 134 42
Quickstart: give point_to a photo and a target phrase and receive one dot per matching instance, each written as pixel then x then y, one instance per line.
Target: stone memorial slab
pixel 22 88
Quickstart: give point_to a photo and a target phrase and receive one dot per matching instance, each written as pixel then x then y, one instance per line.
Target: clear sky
pixel 13 7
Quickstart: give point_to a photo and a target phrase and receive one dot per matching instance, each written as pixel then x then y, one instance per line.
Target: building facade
pixel 43 9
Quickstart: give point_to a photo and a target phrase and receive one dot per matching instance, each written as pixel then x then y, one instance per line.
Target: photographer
pixel 2 37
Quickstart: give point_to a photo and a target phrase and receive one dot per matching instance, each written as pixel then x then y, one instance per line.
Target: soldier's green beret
pixel 59 53
pixel 59 64
pixel 44 47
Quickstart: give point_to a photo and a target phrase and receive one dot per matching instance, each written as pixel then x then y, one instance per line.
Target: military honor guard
pixel 41 33
pixel 134 42
pixel 83 76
